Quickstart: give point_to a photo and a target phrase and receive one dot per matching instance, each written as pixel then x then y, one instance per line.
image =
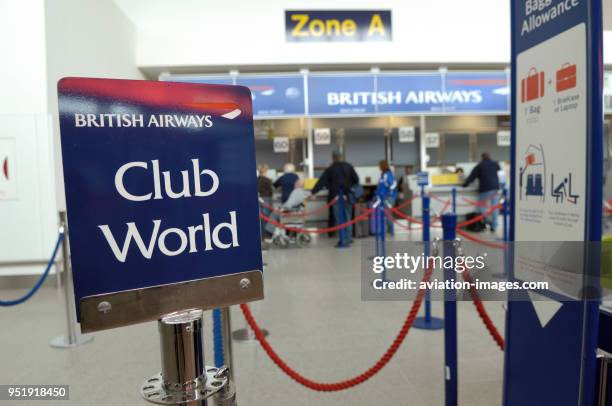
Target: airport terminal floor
pixel 317 322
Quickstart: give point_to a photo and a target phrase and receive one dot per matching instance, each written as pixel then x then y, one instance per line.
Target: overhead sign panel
pixel 337 25
pixel 275 96
pixel 371 93
pixel 208 80
pixel 410 93
pixel 341 94
pixel 161 196
pixel 476 92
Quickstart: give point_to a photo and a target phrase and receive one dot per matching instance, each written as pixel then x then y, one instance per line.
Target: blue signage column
pixel 557 122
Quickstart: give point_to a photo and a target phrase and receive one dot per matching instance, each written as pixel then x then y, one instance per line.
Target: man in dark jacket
pixel 338 179
pixel 488 186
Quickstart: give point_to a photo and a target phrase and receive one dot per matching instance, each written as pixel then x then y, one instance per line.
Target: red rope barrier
pixel 406 203
pixel 480 203
pixel 482 312
pixel 439 217
pixel 397 223
pixel 405 216
pixel 298 214
pixel 348 383
pixel 357 219
pixel 481 242
pixel 436 198
pixel 479 217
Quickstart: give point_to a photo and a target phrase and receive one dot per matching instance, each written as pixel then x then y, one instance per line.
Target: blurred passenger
pixel 286 181
pixel 265 189
pixel 386 191
pixel 405 194
pixel 488 186
pixel 460 174
pixel 338 179
pixel 294 202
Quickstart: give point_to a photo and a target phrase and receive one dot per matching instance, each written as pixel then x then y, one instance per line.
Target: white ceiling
pixel 157 15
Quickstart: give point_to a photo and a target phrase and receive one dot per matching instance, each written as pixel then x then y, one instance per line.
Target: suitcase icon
pixel 566 77
pixel 532 87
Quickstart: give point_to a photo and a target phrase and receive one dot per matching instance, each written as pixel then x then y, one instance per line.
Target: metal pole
pixel 422 149
pixel 428 322
pixel 310 145
pixel 72 338
pixel 377 231
pixel 184 378
pixel 505 218
pixel 506 264
pixel 228 351
pixel 342 219
pixel 454 200
pixel 426 238
pixel 449 225
pixel 382 231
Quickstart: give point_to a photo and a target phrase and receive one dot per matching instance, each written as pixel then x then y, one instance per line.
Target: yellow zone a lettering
pixel 305 27
pixel 376 26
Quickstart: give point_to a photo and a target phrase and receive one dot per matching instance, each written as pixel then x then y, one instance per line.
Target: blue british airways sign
pixel 346 94
pixel 160 191
pixel 276 96
pixel 408 93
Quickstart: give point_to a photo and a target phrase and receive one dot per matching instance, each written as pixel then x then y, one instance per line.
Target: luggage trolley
pixel 284 238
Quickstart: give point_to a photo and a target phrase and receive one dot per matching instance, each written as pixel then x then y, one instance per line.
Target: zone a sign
pixel 161 197
pixel 337 25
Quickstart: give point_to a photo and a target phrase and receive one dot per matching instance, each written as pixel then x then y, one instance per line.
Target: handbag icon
pixel 566 77
pixel 532 87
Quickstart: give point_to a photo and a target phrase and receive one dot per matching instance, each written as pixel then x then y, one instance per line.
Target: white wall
pixel 27 225
pixel 244 32
pixel 40 42
pixel 90 38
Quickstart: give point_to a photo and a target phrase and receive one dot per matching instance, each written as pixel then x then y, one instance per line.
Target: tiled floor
pixel 317 321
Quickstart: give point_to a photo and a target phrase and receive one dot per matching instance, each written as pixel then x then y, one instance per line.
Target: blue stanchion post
pixel 449 225
pixel 380 210
pixel 341 220
pixel 454 200
pixel 427 322
pixel 504 273
pixel 218 338
pixel 505 218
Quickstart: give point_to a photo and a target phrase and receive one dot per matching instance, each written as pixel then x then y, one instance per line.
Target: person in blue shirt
pixel 386 192
pixel 287 181
pixel 488 186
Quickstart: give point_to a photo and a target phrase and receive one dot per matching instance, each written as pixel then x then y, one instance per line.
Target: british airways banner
pixel 276 95
pixel 408 93
pixel 412 93
pixel 333 94
pixel 341 94
pixel 476 92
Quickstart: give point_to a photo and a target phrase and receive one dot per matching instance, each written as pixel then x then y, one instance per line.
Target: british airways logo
pixel 399 97
pixel 139 120
pixel 114 120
